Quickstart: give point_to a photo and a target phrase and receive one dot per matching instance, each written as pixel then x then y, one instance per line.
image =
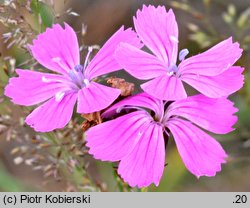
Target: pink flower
pixel 211 72
pixel 137 138
pixel 57 49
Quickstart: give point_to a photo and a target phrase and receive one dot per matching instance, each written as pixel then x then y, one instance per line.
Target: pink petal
pixel 112 140
pixel 145 164
pixel 138 100
pixel 223 84
pixel 158 30
pixel 138 63
pixel 215 115
pixel 57 49
pixel 34 87
pixel 104 61
pixel 52 114
pixel 165 88
pixel 201 154
pixel 213 61
pixel 96 97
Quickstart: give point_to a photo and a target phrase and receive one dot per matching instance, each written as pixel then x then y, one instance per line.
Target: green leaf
pixel 43 14
pixel 46 15
pixel 34 6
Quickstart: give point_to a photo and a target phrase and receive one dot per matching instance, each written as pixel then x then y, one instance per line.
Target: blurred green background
pixel 58 161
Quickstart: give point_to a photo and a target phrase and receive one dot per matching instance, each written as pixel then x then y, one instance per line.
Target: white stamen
pixel 118 110
pixel 44 79
pixel 174 39
pixel 59 96
pixel 183 53
pixel 172 69
pixel 140 133
pixel 86 82
pixel 170 73
pixel 166 132
pixel 90 49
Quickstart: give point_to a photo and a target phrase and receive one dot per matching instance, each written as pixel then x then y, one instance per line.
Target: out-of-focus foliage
pixel 205 34
pixel 9 183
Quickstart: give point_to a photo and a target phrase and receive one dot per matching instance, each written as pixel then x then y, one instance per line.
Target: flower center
pixel 173 68
pixel 77 77
pixel 77 74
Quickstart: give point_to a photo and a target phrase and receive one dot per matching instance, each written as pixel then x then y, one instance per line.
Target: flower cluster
pixel 136 128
